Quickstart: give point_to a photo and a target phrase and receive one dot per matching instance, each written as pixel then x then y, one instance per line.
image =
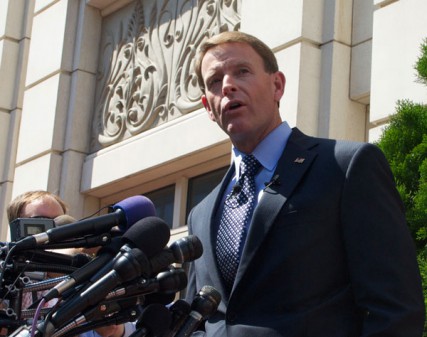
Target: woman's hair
pixel 14 209
pixel 270 62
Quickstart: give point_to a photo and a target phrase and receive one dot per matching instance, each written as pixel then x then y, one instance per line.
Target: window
pixel 200 186
pixel 163 200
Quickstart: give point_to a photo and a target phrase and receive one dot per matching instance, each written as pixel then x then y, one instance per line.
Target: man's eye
pixel 213 82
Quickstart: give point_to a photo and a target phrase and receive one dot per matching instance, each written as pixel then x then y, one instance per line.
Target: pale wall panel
pixel 41 173
pixel 9 56
pixel 360 77
pixel 362 21
pixel 282 21
pixel 394 53
pixel 43 117
pixel 47 42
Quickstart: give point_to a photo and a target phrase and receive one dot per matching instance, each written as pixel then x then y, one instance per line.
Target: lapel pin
pixel 299 160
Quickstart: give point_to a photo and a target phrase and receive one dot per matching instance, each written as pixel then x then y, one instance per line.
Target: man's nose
pixel 228 85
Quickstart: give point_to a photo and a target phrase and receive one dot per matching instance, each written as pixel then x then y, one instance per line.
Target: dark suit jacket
pixel 328 252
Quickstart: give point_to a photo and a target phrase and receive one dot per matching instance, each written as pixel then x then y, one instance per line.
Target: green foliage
pixel 421 64
pixel 404 143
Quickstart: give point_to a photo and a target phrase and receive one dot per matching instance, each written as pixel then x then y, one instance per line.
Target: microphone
pixel 128 264
pixel 179 310
pixel 126 213
pixel 93 241
pixel 166 282
pixel 149 244
pixel 273 182
pixel 85 242
pixel 153 322
pixel 186 249
pixel 236 188
pixel 149 234
pixel 41 256
pixel 203 306
pixel 82 274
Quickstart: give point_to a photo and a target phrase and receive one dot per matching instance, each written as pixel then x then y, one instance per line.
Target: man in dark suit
pixel 326 251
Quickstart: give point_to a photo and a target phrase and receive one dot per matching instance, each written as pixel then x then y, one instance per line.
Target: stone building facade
pixel 99 102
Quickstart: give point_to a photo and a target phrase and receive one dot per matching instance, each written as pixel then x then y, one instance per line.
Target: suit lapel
pixel 294 162
pixel 210 236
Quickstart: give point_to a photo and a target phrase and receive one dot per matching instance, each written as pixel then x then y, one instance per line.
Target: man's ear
pixel 279 85
pixel 208 109
pixel 205 102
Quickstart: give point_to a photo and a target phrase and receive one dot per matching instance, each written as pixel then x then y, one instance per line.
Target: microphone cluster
pixel 134 277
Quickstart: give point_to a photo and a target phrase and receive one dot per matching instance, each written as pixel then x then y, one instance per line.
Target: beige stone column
pixel 15 24
pixel 58 100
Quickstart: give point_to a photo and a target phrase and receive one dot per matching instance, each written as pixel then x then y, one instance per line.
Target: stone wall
pixel 98 100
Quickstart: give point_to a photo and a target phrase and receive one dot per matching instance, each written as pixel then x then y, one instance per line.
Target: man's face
pixel 240 95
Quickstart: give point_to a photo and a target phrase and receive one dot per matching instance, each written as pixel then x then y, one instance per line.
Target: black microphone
pixel 153 322
pixel 126 213
pixel 84 242
pixel 150 235
pixel 273 182
pixel 185 249
pixel 77 260
pixel 151 242
pixel 88 241
pixel 203 306
pixel 166 282
pixel 236 188
pixel 180 310
pixel 129 264
pixel 105 255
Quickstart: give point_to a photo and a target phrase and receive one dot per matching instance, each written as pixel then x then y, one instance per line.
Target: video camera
pixel 23 227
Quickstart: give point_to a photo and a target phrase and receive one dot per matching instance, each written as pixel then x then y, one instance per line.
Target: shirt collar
pixel 267 152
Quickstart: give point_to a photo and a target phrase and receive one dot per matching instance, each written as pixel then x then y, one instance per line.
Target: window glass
pixel 200 186
pixel 163 200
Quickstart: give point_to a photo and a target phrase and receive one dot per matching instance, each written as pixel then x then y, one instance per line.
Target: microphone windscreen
pixel 135 208
pixel 150 234
pixel 64 219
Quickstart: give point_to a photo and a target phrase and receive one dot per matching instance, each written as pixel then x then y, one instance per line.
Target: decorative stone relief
pixel 146 73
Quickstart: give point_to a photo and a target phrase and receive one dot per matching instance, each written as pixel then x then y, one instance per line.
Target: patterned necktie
pixel 235 218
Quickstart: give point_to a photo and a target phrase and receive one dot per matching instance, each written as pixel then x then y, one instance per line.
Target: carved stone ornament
pixel 146 73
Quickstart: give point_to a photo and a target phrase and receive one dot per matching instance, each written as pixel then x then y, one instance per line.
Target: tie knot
pixel 249 165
